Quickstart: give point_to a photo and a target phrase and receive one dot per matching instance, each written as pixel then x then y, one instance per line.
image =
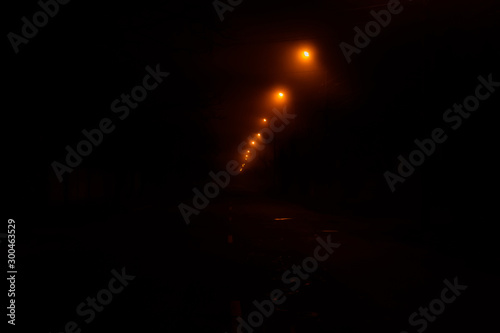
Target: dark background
pixel 119 207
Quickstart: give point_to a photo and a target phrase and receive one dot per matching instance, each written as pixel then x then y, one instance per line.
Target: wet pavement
pixel 202 277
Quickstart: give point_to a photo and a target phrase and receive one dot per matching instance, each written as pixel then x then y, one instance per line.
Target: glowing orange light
pixel 265 119
pixel 253 142
pixel 306 54
pixel 258 134
pixel 248 151
pixel 280 94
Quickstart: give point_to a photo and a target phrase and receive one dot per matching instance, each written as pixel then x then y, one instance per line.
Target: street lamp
pixel 306 54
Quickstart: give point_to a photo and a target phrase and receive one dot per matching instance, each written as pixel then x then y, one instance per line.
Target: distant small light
pixel 253 142
pixel 280 94
pixel 265 119
pixel 258 134
pixel 306 54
